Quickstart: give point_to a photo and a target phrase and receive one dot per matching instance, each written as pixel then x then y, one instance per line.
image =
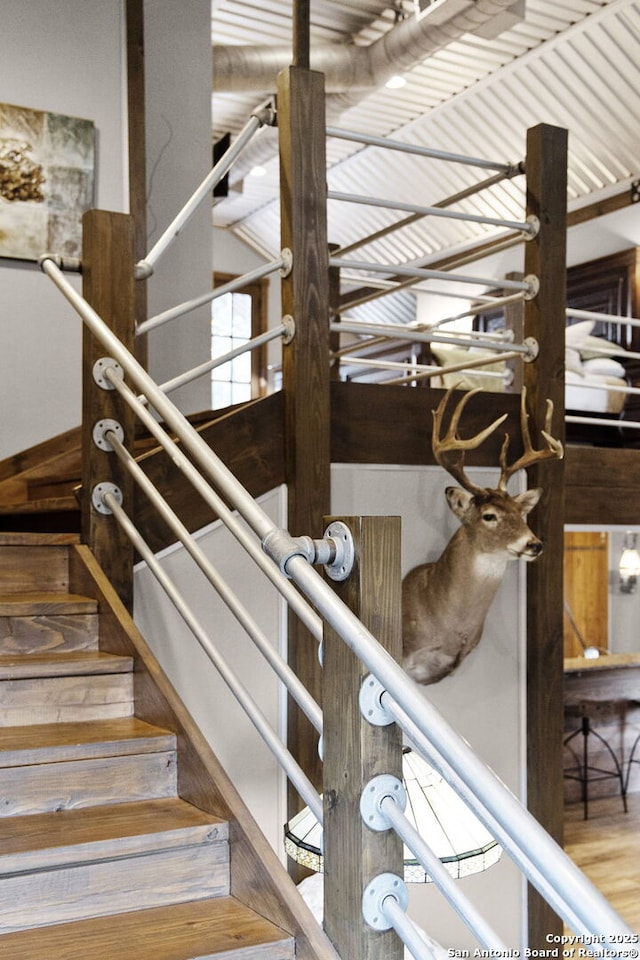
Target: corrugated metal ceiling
pixel 574 64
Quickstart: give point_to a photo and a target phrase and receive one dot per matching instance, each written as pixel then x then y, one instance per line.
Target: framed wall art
pixel 47 163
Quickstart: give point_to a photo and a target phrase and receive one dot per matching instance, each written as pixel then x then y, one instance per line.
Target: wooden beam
pixel 305 296
pixel 108 285
pixel 545 257
pixel 355 751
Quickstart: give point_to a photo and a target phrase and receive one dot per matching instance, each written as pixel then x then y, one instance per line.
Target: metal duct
pixel 351 69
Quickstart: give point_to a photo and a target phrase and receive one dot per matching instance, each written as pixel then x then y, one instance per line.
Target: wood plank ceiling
pixel 575 64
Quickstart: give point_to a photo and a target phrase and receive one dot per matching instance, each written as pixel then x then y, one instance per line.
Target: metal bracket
pixel 339 566
pixel 383 886
pixel 336 551
pixel 635 191
pixel 98 494
pixel 287 266
pixel 103 427
pixel 534 286
pixel 372 796
pixel 534 349
pixel 534 227
pixel 99 368
pixel 289 325
pixel 370 701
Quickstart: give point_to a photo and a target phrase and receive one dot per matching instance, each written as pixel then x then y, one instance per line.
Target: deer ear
pixel 458 500
pixel 526 501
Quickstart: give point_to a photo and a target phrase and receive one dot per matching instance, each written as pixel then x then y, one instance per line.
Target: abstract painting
pixel 46 182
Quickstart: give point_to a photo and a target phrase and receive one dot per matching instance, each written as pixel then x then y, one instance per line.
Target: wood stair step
pixel 48 840
pixel 64 687
pixel 72 865
pixel 64 664
pixel 219 929
pixel 62 766
pixel 28 604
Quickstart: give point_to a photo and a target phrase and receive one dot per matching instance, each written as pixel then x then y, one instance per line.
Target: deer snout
pixel 532 549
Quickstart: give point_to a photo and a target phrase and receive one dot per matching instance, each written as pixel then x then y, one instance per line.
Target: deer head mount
pixel 444 604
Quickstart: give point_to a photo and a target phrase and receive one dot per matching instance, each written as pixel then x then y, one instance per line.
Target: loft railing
pixel 399 700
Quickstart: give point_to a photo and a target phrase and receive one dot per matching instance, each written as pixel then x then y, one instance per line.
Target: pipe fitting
pixel 383 886
pixel 335 551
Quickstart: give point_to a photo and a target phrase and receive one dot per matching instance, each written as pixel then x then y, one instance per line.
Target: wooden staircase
pixel 121 836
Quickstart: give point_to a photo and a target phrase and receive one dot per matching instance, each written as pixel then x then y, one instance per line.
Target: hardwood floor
pixel 607 848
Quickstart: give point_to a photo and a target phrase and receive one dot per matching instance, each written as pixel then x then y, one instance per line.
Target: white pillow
pixel 572 361
pixel 594 347
pixel 575 333
pixel 448 354
pixel 605 366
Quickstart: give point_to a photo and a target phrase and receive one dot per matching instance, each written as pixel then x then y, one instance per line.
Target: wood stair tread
pixel 51 840
pixel 55 742
pixel 39 604
pixel 64 664
pixel 215 929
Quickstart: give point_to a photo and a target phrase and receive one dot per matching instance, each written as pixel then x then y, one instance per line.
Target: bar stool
pixel 590 712
pixel 632 757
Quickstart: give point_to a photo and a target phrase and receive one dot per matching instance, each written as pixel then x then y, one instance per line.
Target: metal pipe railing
pixel 146 266
pixel 434 867
pixel 284 330
pixel 297 603
pixel 293 771
pixel 541 859
pixel 282 670
pixel 395 332
pixel 507 169
pixel 528 228
pixel 421 273
pixel 282 263
pixel 603 317
pixel 554 872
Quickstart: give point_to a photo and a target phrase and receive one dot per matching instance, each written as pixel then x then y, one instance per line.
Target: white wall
pixel 179 156
pixel 66 57
pixel 483 700
pixel 233 738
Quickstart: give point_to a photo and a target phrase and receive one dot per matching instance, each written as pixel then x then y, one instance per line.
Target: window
pixel 236 318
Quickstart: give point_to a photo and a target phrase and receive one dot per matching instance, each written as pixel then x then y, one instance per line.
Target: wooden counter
pixel 615 676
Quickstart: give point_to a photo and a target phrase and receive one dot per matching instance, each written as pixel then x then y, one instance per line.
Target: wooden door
pixel 586 591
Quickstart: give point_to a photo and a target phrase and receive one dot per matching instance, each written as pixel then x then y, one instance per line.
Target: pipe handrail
pixel 542 860
pixel 285 330
pixel 282 263
pixel 297 603
pixel 294 772
pixel 145 267
pixel 507 169
pixel 603 317
pixel 396 331
pixel 282 669
pixel 529 228
pixel 421 273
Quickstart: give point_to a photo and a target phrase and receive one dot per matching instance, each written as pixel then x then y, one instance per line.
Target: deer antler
pixel 452 443
pixel 554 447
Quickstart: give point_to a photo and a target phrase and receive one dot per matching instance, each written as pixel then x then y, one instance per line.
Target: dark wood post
pixel 355 751
pixel 108 285
pixel 305 295
pixel 545 257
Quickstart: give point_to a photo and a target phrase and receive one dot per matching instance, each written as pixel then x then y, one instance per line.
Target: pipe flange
pixel 289 325
pixel 341 565
pixel 534 286
pixel 370 701
pixel 99 369
pixel 383 886
pixel 100 491
pixel 287 262
pixel 533 227
pixel 377 790
pixel 101 428
pixel 533 351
